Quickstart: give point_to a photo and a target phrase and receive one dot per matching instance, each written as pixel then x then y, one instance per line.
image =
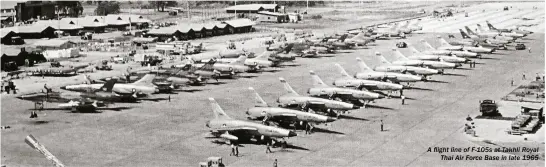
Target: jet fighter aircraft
pixel 357 97
pixel 262 111
pixel 369 74
pixel 225 127
pixel 293 99
pixel 347 80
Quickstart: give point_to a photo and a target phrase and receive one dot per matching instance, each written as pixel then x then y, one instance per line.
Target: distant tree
pixel 108 7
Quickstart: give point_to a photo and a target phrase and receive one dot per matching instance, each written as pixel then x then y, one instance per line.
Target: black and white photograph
pixel 258 83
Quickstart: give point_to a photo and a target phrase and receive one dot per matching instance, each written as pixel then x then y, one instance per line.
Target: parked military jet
pixel 262 111
pixel 390 32
pixel 493 35
pixel 347 80
pixel 400 59
pixel 415 54
pixel 433 51
pixel 506 34
pixel 369 74
pixel 474 40
pixel 56 71
pixel 386 66
pixel 263 60
pixel 293 99
pixel 447 46
pixel 225 127
pixel 84 101
pixel 144 85
pixel 237 66
pixel 360 39
pixel 358 97
pixel 515 30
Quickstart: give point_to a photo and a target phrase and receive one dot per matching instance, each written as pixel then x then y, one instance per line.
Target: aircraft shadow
pixel 453 74
pixel 418 88
pixel 330 55
pixel 320 130
pixel 351 118
pixel 378 107
pixel 41 122
pixel 270 70
pixel 241 143
pixel 189 90
pixel 97 110
pixel 436 81
pixel 247 76
pixel 489 58
pixel 153 99
pixel 216 83
pixel 464 68
pixel 290 65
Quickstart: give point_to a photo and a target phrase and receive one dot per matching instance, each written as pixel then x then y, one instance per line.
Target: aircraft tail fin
pixel 343 37
pixel 344 73
pixel 382 60
pixel 443 42
pixel 427 45
pixel 264 56
pixel 109 85
pixel 146 80
pixel 490 25
pixel 463 34
pixel 362 65
pixel 287 87
pixel 217 110
pixel 258 100
pixel 480 28
pixel 317 82
pixel 414 51
pixel 240 60
pixel 469 30
pixel 398 55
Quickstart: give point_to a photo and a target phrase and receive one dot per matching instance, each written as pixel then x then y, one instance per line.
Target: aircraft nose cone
pixel 63 87
pixel 331 119
pixel 381 96
pixel 292 134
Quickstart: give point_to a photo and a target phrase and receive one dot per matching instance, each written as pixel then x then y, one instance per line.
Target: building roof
pixel 117 20
pixel 254 7
pixel 184 28
pixel 64 24
pixel 271 13
pixel 240 23
pixel 164 31
pixel 10 51
pixel 3 33
pixel 51 42
pixel 89 21
pixel 9 4
pixel 221 25
pixel 132 18
pixel 35 28
pixel 197 27
pixel 210 26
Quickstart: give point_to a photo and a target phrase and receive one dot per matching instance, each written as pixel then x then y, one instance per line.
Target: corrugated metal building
pixel 163 34
pixel 33 31
pixel 239 25
pixel 53 44
pixel 272 17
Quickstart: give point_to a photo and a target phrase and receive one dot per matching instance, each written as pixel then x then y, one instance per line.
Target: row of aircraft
pixel 325 103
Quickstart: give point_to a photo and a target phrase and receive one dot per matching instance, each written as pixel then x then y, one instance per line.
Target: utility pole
pixel 307 8
pixel 188 9
pixel 235 9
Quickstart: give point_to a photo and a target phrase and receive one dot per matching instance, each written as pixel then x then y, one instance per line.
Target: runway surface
pixel 174 133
